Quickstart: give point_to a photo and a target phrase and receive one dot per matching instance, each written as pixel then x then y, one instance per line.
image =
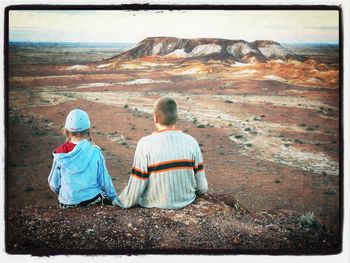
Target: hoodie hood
pixel 77 160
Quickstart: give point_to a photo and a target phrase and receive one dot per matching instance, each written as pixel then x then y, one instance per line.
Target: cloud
pixel 133 26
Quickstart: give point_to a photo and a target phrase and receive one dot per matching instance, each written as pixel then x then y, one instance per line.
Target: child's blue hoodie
pixel 80 175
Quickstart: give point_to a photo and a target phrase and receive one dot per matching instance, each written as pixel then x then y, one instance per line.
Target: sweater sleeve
pixel 54 178
pixel 202 184
pixel 138 179
pixel 104 179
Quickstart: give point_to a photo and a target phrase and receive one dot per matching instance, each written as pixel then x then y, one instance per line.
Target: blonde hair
pixel 166 111
pixel 85 134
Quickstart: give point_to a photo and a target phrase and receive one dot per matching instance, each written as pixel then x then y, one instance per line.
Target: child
pixel 79 175
pixel 168 165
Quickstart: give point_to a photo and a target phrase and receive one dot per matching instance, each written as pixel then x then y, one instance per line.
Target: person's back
pixel 79 175
pixel 167 171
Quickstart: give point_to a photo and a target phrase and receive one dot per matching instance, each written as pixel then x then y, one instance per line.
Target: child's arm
pixel 138 180
pixel 104 179
pixel 55 178
pixel 201 180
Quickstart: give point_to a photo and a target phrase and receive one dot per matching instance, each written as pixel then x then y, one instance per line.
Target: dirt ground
pixel 211 225
pixel 270 144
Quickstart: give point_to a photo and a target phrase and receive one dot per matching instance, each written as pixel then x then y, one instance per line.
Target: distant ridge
pixel 209 48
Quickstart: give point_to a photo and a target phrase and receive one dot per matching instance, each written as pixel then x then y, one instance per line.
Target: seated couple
pixel 167 171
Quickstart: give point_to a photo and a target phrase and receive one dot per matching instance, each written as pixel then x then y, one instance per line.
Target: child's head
pixel 77 125
pixel 165 111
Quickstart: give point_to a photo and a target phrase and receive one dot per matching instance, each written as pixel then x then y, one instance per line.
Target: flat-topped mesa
pixel 209 48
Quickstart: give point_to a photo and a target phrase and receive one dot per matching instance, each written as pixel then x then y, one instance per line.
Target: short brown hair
pixel 166 111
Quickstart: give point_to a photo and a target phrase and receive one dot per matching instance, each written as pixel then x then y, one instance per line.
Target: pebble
pixel 129 225
pixel 236 240
pixel 89 230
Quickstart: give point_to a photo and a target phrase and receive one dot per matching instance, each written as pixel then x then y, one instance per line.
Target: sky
pixel 113 26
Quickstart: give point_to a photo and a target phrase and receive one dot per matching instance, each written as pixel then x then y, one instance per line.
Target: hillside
pixel 210 48
pixel 213 223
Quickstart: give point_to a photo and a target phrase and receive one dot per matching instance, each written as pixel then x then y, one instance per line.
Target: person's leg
pixel 100 199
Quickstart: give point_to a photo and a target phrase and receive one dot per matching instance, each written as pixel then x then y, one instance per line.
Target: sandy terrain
pixel 269 132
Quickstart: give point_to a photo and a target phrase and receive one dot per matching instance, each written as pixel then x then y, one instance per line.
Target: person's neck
pixel 76 140
pixel 161 127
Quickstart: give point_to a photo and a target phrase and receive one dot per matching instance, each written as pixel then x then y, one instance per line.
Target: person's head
pixel 165 112
pixel 77 125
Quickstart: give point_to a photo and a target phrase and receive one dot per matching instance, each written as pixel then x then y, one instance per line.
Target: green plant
pixel 308 219
pixel 249 145
pixel 29 189
pixel 126 106
pixel 299 141
pixel 201 126
pixel 238 136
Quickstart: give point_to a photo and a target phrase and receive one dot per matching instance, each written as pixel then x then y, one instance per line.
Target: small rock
pixel 129 225
pixel 236 240
pixel 89 230
pixel 75 235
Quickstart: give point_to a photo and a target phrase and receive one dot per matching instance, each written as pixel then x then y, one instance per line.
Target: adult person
pixel 168 168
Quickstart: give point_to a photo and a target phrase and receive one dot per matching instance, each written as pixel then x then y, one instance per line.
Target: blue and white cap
pixel 77 121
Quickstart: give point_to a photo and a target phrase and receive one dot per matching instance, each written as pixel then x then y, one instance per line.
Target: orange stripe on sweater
pixel 138 177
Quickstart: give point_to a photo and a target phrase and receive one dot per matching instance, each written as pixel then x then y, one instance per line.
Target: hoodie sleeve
pixel 55 178
pixel 138 179
pixel 201 180
pixel 104 179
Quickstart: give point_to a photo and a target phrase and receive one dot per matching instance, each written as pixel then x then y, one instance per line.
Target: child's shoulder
pixel 177 135
pixel 65 148
pixel 98 147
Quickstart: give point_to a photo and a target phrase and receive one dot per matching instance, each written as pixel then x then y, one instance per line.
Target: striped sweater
pixel 167 172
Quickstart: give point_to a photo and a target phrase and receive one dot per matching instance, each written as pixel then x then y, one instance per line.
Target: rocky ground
pixel 269 134
pixel 212 224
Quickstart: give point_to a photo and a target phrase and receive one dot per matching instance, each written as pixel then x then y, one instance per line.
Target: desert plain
pixel 269 129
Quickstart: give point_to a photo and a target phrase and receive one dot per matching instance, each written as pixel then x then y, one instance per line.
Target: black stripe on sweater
pixel 166 166
pixel 199 168
pixel 139 174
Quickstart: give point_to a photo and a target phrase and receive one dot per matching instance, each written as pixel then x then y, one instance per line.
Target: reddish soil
pixel 257 182
pixel 213 223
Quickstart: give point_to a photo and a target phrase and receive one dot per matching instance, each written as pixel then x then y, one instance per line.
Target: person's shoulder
pixel 97 147
pixel 189 138
pixel 65 148
pixel 145 139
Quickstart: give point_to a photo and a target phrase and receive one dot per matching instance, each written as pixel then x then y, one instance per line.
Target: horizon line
pixel 123 42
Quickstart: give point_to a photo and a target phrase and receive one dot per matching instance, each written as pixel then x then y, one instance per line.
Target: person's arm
pixel 105 180
pixel 202 184
pixel 138 179
pixel 54 178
